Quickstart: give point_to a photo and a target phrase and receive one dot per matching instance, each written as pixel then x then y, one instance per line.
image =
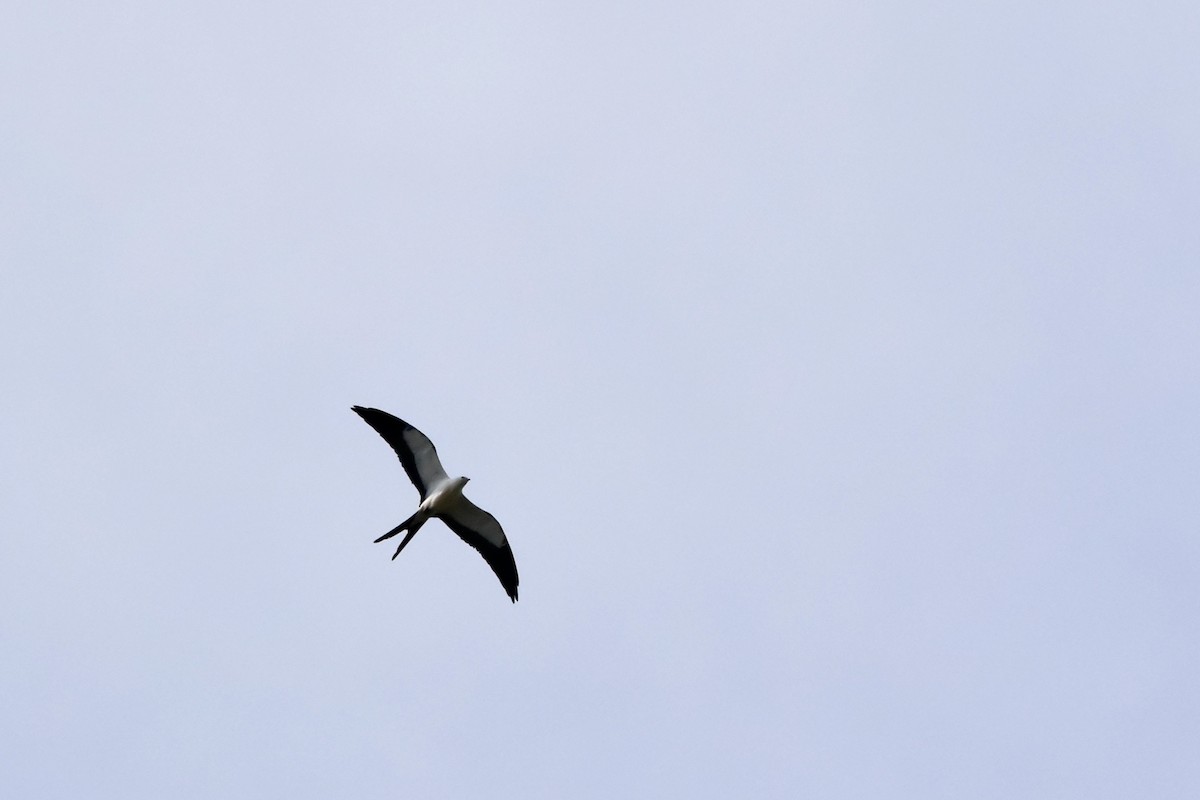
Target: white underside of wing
pixel 428 465
pixel 471 516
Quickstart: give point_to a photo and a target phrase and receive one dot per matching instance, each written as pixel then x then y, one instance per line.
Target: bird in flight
pixel 442 497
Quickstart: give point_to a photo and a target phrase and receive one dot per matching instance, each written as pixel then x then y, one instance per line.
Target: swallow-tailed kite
pixel 442 497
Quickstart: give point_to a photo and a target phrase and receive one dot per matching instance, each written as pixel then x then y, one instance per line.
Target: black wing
pixel 480 529
pixel 416 452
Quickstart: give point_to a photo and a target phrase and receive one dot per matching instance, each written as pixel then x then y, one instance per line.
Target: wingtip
pixel 366 413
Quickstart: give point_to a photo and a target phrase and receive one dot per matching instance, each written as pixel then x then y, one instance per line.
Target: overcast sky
pixel 832 367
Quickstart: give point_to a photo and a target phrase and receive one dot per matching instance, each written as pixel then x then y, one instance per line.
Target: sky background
pixel 831 367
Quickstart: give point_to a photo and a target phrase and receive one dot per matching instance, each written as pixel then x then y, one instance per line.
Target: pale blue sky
pixel 832 370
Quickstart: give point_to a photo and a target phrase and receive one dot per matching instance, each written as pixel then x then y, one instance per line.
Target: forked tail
pixel 412 525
